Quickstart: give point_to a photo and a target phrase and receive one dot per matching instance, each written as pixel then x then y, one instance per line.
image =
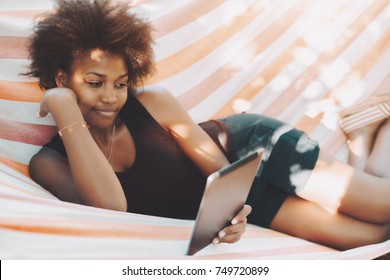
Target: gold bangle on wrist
pixel 70 127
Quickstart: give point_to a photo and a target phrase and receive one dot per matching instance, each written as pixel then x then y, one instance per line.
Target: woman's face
pixel 99 80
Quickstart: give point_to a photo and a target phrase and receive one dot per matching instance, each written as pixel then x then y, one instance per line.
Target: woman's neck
pixel 104 135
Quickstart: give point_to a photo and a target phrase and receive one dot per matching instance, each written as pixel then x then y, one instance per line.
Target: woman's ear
pixel 60 78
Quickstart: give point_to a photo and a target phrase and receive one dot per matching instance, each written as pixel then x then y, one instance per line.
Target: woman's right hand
pixel 54 98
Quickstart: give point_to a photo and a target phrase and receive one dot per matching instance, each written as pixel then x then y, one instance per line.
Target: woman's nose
pixel 109 96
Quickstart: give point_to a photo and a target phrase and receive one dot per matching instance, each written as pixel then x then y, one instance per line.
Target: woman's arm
pixel 86 177
pixel 194 141
pixel 51 170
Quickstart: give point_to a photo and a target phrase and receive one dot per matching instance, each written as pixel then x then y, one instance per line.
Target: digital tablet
pixel 224 196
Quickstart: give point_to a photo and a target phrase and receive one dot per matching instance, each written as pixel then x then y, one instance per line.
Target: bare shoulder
pixel 153 95
pixel 161 104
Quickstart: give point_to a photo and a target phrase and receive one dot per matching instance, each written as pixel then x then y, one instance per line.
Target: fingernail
pixel 215 241
pixel 221 234
pixel 234 221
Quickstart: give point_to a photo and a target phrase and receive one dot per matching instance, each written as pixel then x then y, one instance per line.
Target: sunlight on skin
pixel 356 148
pixel 97 55
pixel 328 186
pixel 299 177
pixel 204 149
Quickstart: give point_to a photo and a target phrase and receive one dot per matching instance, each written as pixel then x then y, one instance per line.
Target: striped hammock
pixel 300 61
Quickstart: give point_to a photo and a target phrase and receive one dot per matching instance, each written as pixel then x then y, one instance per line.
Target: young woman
pixel 128 147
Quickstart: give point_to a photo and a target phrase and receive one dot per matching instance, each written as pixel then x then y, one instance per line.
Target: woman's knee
pixel 367 198
pixel 375 168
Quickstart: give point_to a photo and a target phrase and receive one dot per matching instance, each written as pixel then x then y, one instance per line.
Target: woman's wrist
pixel 57 97
pixel 69 128
pixel 62 104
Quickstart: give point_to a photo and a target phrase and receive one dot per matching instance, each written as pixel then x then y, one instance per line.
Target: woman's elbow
pixel 33 168
pixel 119 204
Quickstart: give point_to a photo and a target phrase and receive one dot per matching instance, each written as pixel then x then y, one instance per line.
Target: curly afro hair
pixel 79 26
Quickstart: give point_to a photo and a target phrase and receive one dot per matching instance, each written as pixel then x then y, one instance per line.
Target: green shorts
pixel 288 160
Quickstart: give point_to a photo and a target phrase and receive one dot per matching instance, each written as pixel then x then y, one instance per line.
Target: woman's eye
pixel 95 84
pixel 121 85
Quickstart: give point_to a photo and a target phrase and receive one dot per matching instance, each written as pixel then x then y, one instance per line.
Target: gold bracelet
pixel 70 127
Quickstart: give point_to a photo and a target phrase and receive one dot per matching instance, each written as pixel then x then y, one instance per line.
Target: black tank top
pixel 163 181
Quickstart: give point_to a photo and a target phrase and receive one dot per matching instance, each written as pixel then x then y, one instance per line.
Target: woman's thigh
pixel 341 188
pixel 307 220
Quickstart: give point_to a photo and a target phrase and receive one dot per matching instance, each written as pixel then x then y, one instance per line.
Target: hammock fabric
pixel 299 61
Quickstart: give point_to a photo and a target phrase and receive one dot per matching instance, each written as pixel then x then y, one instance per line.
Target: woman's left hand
pixel 233 233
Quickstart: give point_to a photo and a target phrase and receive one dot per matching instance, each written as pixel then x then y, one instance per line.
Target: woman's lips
pixel 106 112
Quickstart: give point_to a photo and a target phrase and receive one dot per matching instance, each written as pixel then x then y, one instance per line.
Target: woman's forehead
pixel 98 59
